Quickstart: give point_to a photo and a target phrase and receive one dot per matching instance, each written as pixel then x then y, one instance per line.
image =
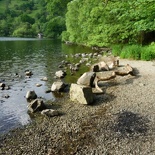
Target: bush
pixel 135 52
pixel 148 52
pixel 116 50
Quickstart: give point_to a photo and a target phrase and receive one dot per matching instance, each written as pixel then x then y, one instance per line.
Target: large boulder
pixel 103 66
pixel 31 95
pixel 100 66
pixel 110 61
pixel 60 74
pixel 87 79
pixel 103 76
pixel 125 70
pixel 58 86
pixel 81 94
pixel 36 105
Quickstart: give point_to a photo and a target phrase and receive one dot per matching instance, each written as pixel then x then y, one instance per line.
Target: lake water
pixel 42 57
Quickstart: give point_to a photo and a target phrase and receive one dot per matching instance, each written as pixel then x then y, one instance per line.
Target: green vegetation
pixel 102 23
pixel 22 18
pixel 109 22
pixel 137 52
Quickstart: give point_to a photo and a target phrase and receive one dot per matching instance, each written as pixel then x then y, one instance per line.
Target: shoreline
pixel 121 121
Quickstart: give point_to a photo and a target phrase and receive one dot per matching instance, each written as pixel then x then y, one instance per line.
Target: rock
pixel 28 73
pixel 31 95
pixel 95 68
pixel 125 70
pixel 36 105
pixel 47 91
pixel 101 66
pixel 38 84
pixel 81 94
pixel 60 74
pixel 50 112
pixel 44 79
pixel 111 61
pixel 58 86
pixel 2 85
pixel 74 67
pixel 103 76
pixel 87 79
pixel 7 87
pixel 6 96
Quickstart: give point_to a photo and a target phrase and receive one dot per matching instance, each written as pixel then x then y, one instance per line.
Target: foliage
pixel 24 30
pixel 56 18
pixel 136 52
pixel 41 16
pixel 131 52
pixel 54 27
pixel 102 23
pixel 148 52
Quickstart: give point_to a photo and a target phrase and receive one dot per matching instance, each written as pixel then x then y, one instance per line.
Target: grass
pixel 136 52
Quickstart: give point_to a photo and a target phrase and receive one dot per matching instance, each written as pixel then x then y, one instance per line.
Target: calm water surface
pixel 42 57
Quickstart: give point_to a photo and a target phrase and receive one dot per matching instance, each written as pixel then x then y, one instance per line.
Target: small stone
pixel 38 85
pixel 44 79
pixel 50 112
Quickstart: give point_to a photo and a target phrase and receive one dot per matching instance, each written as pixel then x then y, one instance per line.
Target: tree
pixel 100 23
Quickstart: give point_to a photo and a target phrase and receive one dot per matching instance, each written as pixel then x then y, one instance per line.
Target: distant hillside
pixel 27 18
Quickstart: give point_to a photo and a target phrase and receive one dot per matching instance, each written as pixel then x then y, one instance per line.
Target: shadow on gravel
pixel 130 125
pixel 103 99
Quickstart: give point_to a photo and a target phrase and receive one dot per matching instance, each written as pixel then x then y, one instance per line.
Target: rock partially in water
pixel 2 85
pixel 31 95
pixel 36 105
pixel 38 84
pixel 44 79
pixel 28 73
pixel 58 86
pixel 60 74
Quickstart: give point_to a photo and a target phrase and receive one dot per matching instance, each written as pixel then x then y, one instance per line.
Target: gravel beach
pixel 121 121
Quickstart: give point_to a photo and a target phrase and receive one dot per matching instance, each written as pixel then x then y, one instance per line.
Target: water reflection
pixel 16 56
pixel 40 56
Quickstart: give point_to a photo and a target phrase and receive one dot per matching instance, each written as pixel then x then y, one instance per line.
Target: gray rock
pixel 60 74
pixel 28 73
pixel 2 84
pixel 125 70
pixel 31 95
pixel 50 112
pixel 36 105
pixel 101 66
pixel 87 79
pixel 44 79
pixel 38 84
pixel 103 76
pixel 58 86
pixel 81 94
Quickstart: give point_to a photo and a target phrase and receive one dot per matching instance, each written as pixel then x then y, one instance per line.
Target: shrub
pixel 148 52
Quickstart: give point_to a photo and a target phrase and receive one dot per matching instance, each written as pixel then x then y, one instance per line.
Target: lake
pixel 42 57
